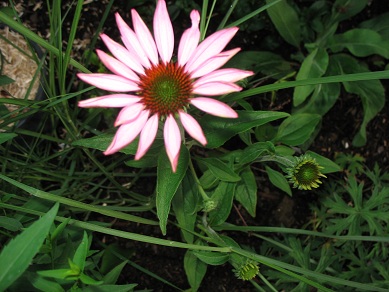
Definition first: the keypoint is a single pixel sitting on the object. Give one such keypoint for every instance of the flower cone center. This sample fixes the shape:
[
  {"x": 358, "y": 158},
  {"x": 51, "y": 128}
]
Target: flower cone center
[
  {"x": 307, "y": 173},
  {"x": 165, "y": 89}
]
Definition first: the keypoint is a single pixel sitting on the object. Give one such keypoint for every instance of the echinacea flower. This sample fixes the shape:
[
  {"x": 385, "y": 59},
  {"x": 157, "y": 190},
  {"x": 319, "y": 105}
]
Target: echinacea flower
[
  {"x": 304, "y": 173},
  {"x": 151, "y": 87}
]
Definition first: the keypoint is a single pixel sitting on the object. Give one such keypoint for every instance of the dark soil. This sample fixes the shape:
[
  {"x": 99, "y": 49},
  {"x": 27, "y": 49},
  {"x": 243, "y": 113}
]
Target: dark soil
[{"x": 339, "y": 126}]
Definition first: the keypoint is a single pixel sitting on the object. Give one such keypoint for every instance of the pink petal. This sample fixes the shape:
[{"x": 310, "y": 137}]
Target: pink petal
[
  {"x": 192, "y": 127},
  {"x": 147, "y": 136},
  {"x": 122, "y": 54},
  {"x": 223, "y": 75},
  {"x": 144, "y": 37},
  {"x": 163, "y": 32},
  {"x": 189, "y": 40},
  {"x": 129, "y": 114},
  {"x": 127, "y": 133},
  {"x": 172, "y": 138},
  {"x": 109, "y": 82},
  {"x": 214, "y": 107},
  {"x": 113, "y": 100},
  {"x": 210, "y": 47},
  {"x": 131, "y": 41},
  {"x": 214, "y": 63},
  {"x": 117, "y": 67},
  {"x": 216, "y": 88}
]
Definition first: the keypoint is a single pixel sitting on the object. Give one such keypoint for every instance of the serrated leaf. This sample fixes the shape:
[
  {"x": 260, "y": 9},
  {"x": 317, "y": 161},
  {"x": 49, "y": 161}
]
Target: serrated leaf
[
  {"x": 313, "y": 66},
  {"x": 168, "y": 183},
  {"x": 278, "y": 180},
  {"x": 286, "y": 21},
  {"x": 19, "y": 252},
  {"x": 220, "y": 170},
  {"x": 246, "y": 191},
  {"x": 195, "y": 270},
  {"x": 297, "y": 129},
  {"x": 212, "y": 258},
  {"x": 219, "y": 130}
]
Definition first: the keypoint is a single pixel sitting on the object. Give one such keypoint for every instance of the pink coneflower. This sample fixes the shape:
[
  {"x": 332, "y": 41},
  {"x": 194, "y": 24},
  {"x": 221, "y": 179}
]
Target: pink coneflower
[{"x": 163, "y": 90}]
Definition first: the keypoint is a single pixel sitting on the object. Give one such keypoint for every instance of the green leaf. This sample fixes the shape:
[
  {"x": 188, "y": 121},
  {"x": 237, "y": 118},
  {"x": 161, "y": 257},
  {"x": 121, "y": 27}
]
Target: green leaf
[
  {"x": 168, "y": 183},
  {"x": 42, "y": 284},
  {"x": 4, "y": 137},
  {"x": 60, "y": 274},
  {"x": 195, "y": 270},
  {"x": 110, "y": 260},
  {"x": 253, "y": 151},
  {"x": 17, "y": 255},
  {"x": 113, "y": 275},
  {"x": 212, "y": 258},
  {"x": 286, "y": 21},
  {"x": 223, "y": 196},
  {"x": 324, "y": 95},
  {"x": 278, "y": 180},
  {"x": 345, "y": 9},
  {"x": 297, "y": 129},
  {"x": 219, "y": 130},
  {"x": 267, "y": 63},
  {"x": 184, "y": 204},
  {"x": 327, "y": 164},
  {"x": 246, "y": 191},
  {"x": 80, "y": 255},
  {"x": 220, "y": 169},
  {"x": 101, "y": 142},
  {"x": 208, "y": 180},
  {"x": 371, "y": 92},
  {"x": 379, "y": 24},
  {"x": 313, "y": 66},
  {"x": 4, "y": 80},
  {"x": 88, "y": 280},
  {"x": 10, "y": 224},
  {"x": 360, "y": 42}
]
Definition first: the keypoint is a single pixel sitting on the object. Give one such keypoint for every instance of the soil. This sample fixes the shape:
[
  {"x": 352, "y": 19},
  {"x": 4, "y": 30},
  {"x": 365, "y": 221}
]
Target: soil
[{"x": 339, "y": 126}]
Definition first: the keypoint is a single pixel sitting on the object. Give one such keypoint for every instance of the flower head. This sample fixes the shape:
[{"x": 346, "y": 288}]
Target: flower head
[
  {"x": 247, "y": 271},
  {"x": 305, "y": 173},
  {"x": 150, "y": 87}
]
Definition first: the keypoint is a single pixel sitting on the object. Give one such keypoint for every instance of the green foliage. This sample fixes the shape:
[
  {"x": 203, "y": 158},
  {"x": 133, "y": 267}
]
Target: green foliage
[
  {"x": 325, "y": 54},
  {"x": 17, "y": 255},
  {"x": 85, "y": 244}
]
